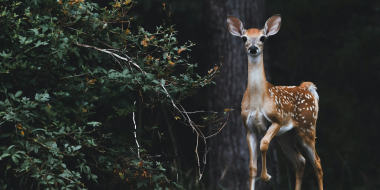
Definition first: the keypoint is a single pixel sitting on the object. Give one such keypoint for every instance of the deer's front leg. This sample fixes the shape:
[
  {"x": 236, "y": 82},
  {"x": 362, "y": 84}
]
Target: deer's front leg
[
  {"x": 272, "y": 131},
  {"x": 252, "y": 147}
]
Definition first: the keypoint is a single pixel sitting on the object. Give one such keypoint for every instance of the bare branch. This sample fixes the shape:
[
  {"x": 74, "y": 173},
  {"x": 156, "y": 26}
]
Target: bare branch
[
  {"x": 128, "y": 59},
  {"x": 138, "y": 146}
]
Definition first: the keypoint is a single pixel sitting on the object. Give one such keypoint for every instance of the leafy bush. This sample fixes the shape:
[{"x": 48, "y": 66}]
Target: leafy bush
[{"x": 71, "y": 74}]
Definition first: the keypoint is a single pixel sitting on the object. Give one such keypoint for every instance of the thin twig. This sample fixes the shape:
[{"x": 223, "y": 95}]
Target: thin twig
[
  {"x": 24, "y": 172},
  {"x": 201, "y": 112},
  {"x": 138, "y": 146},
  {"x": 128, "y": 59},
  {"x": 220, "y": 128},
  {"x": 73, "y": 76}
]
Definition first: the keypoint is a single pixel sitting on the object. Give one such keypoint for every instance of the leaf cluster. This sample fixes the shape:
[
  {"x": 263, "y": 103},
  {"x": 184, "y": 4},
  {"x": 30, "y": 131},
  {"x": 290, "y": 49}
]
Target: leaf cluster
[{"x": 71, "y": 73}]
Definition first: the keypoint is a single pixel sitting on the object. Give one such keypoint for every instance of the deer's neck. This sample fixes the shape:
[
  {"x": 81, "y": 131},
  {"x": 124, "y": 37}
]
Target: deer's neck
[{"x": 257, "y": 85}]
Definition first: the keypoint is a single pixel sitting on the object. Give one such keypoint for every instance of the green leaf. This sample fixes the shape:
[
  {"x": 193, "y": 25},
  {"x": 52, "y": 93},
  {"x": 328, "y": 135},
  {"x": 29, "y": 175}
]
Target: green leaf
[
  {"x": 27, "y": 145},
  {"x": 4, "y": 54},
  {"x": 122, "y": 88},
  {"x": 36, "y": 160},
  {"x": 10, "y": 147},
  {"x": 93, "y": 177},
  {"x": 35, "y": 175},
  {"x": 126, "y": 71},
  {"x": 77, "y": 53},
  {"x": 42, "y": 97},
  {"x": 35, "y": 31},
  {"x": 5, "y": 135},
  {"x": 17, "y": 154},
  {"x": 130, "y": 87},
  {"x": 40, "y": 43},
  {"x": 115, "y": 45},
  {"x": 60, "y": 55},
  {"x": 62, "y": 130},
  {"x": 50, "y": 159},
  {"x": 49, "y": 177},
  {"x": 15, "y": 160},
  {"x": 94, "y": 123},
  {"x": 80, "y": 61},
  {"x": 18, "y": 93},
  {"x": 5, "y": 155},
  {"x": 141, "y": 62},
  {"x": 22, "y": 39},
  {"x": 141, "y": 183},
  {"x": 44, "y": 27},
  {"x": 179, "y": 187},
  {"x": 11, "y": 95}
]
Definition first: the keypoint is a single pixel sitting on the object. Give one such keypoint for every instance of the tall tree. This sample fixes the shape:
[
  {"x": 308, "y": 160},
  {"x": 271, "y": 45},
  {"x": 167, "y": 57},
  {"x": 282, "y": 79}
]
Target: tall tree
[{"x": 229, "y": 161}]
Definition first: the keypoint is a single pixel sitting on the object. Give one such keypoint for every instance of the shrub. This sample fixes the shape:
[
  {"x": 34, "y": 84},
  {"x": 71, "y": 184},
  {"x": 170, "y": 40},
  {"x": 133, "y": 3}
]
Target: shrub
[{"x": 72, "y": 77}]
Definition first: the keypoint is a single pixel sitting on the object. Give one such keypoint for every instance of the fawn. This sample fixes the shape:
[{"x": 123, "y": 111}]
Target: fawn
[{"x": 276, "y": 110}]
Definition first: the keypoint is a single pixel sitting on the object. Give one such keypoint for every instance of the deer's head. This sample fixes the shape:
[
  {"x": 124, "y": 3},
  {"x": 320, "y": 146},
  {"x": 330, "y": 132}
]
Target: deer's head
[{"x": 254, "y": 38}]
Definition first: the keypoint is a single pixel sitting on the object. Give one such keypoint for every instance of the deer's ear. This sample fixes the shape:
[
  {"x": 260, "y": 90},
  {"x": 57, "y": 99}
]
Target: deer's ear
[
  {"x": 235, "y": 26},
  {"x": 272, "y": 26}
]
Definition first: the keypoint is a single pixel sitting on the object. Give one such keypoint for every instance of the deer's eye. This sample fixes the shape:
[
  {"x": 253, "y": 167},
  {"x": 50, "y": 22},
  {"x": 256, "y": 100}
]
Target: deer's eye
[
  {"x": 244, "y": 39},
  {"x": 262, "y": 38}
]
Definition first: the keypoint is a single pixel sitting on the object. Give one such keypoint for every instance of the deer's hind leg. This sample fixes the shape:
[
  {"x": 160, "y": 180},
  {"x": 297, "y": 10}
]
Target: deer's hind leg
[
  {"x": 287, "y": 143},
  {"x": 307, "y": 140}
]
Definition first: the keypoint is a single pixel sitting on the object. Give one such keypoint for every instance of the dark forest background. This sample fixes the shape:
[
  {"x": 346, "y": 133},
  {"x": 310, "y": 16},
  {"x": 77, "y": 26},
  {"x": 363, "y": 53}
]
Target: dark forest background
[{"x": 333, "y": 43}]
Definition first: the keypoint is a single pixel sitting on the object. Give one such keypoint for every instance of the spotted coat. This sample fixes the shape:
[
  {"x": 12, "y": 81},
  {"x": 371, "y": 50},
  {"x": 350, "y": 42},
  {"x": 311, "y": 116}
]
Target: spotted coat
[{"x": 297, "y": 104}]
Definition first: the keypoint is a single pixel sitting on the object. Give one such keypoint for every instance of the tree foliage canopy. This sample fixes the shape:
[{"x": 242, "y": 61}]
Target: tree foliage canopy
[{"x": 71, "y": 74}]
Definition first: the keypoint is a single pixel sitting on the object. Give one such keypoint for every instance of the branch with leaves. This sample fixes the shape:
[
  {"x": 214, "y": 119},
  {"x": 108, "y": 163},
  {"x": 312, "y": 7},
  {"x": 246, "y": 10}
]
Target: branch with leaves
[{"x": 67, "y": 111}]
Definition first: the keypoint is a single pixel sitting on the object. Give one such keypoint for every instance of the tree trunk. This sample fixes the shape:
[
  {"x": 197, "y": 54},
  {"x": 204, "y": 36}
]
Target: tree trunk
[{"x": 229, "y": 161}]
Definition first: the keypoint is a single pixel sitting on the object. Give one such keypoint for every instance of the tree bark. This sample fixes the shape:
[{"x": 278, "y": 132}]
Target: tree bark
[{"x": 228, "y": 163}]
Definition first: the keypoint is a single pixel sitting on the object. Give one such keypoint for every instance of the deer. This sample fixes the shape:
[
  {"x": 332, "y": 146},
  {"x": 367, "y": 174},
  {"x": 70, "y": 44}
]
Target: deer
[{"x": 288, "y": 112}]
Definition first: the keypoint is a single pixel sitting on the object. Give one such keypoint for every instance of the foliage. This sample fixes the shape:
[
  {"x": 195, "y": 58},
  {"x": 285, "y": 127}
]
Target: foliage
[{"x": 71, "y": 74}]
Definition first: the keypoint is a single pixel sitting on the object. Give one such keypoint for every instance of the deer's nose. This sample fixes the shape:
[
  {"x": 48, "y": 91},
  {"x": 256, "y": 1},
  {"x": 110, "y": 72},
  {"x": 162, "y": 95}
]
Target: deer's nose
[{"x": 253, "y": 49}]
